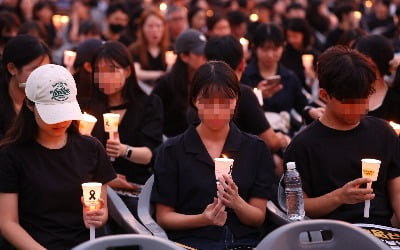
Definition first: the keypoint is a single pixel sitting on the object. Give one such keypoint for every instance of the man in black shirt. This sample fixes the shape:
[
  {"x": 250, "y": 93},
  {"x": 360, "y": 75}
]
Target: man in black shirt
[{"x": 328, "y": 152}]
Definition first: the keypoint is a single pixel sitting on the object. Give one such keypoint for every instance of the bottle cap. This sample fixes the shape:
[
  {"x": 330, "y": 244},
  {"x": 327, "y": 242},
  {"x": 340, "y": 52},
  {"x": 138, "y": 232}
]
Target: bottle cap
[{"x": 291, "y": 165}]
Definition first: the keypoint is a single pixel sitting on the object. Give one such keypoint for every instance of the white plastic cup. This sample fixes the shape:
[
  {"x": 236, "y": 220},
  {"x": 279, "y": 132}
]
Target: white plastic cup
[
  {"x": 111, "y": 121},
  {"x": 370, "y": 168},
  {"x": 307, "y": 60}
]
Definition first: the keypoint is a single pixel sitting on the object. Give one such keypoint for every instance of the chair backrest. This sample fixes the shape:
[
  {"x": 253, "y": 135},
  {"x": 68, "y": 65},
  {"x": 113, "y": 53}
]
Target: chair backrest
[
  {"x": 146, "y": 210},
  {"x": 120, "y": 213},
  {"x": 338, "y": 235},
  {"x": 145, "y": 242}
]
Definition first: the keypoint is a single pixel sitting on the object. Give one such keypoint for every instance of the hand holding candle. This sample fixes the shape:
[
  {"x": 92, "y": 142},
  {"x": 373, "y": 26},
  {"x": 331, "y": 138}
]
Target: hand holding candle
[
  {"x": 111, "y": 121},
  {"x": 91, "y": 196},
  {"x": 370, "y": 169},
  {"x": 170, "y": 58},
  {"x": 87, "y": 123}
]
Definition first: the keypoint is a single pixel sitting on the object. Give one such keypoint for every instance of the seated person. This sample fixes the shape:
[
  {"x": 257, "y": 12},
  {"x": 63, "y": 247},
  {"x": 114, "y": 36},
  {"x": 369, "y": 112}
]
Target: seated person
[
  {"x": 328, "y": 152},
  {"x": 190, "y": 206}
]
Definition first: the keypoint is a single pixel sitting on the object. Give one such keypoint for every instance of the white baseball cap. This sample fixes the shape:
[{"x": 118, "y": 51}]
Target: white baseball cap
[{"x": 53, "y": 90}]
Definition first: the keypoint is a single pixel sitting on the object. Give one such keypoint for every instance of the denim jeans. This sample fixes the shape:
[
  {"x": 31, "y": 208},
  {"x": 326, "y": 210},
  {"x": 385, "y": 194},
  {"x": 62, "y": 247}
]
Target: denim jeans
[{"x": 226, "y": 242}]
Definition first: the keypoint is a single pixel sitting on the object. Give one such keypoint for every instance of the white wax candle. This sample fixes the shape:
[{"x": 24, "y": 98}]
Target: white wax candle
[
  {"x": 370, "y": 169},
  {"x": 307, "y": 60},
  {"x": 86, "y": 124},
  {"x": 259, "y": 95},
  {"x": 91, "y": 196}
]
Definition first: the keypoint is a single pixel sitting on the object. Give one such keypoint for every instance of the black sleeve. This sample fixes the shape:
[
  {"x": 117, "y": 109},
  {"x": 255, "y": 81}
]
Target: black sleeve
[
  {"x": 8, "y": 173},
  {"x": 300, "y": 98},
  {"x": 152, "y": 125},
  {"x": 165, "y": 188},
  {"x": 263, "y": 185},
  {"x": 250, "y": 116},
  {"x": 104, "y": 170}
]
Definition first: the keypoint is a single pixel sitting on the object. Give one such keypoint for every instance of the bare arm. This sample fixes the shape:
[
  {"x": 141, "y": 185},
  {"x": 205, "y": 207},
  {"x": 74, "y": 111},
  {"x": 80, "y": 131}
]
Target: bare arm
[
  {"x": 250, "y": 213},
  {"x": 214, "y": 214},
  {"x": 350, "y": 193},
  {"x": 275, "y": 141},
  {"x": 140, "y": 155},
  {"x": 144, "y": 75},
  {"x": 9, "y": 224},
  {"x": 394, "y": 195}
]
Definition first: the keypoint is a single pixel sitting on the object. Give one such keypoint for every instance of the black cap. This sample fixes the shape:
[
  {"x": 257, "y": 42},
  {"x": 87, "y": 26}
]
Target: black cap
[{"x": 190, "y": 40}]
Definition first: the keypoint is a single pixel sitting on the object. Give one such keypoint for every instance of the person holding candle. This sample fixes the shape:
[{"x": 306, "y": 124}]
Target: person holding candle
[
  {"x": 21, "y": 56},
  {"x": 190, "y": 206},
  {"x": 140, "y": 125},
  {"x": 150, "y": 47},
  {"x": 329, "y": 151},
  {"x": 44, "y": 161}
]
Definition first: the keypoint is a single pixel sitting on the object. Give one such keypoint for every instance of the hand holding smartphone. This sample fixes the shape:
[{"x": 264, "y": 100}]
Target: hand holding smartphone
[{"x": 273, "y": 80}]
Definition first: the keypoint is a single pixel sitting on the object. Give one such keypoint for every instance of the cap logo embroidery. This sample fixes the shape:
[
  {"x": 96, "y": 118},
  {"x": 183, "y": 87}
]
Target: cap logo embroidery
[{"x": 60, "y": 92}]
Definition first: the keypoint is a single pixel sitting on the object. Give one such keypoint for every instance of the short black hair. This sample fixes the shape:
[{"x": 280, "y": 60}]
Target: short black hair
[
  {"x": 117, "y": 6},
  {"x": 342, "y": 9},
  {"x": 214, "y": 77},
  {"x": 236, "y": 18},
  {"x": 268, "y": 33},
  {"x": 300, "y": 25},
  {"x": 224, "y": 48},
  {"x": 345, "y": 73},
  {"x": 379, "y": 49}
]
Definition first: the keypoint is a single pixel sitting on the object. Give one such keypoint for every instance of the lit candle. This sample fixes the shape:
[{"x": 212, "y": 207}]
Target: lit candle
[
  {"x": 163, "y": 7},
  {"x": 259, "y": 95},
  {"x": 170, "y": 58},
  {"x": 253, "y": 17},
  {"x": 307, "y": 60},
  {"x": 223, "y": 166},
  {"x": 357, "y": 15},
  {"x": 69, "y": 58},
  {"x": 370, "y": 169},
  {"x": 59, "y": 21},
  {"x": 86, "y": 124},
  {"x": 111, "y": 121},
  {"x": 396, "y": 127},
  {"x": 91, "y": 196},
  {"x": 245, "y": 43}
]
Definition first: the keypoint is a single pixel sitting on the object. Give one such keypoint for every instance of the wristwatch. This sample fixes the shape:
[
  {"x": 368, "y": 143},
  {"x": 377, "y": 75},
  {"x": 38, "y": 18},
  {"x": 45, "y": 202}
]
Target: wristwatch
[{"x": 128, "y": 152}]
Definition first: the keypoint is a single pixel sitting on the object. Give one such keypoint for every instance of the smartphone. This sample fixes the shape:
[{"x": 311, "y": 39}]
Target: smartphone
[{"x": 273, "y": 80}]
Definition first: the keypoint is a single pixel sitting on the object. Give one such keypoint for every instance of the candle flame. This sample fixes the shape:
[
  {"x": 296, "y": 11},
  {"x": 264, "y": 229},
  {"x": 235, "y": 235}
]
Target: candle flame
[
  {"x": 357, "y": 15},
  {"x": 368, "y": 4},
  {"x": 224, "y": 156},
  {"x": 253, "y": 17},
  {"x": 163, "y": 6},
  {"x": 395, "y": 126},
  {"x": 210, "y": 13},
  {"x": 243, "y": 41}
]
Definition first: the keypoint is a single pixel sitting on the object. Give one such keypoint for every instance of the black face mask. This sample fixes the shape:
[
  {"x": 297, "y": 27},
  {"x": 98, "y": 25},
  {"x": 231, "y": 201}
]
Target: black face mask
[{"x": 116, "y": 28}]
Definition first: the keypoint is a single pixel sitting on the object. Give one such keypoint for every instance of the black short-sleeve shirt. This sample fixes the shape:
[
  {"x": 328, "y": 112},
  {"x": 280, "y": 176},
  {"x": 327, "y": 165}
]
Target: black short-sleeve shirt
[
  {"x": 48, "y": 183},
  {"x": 185, "y": 177},
  {"x": 327, "y": 159},
  {"x": 141, "y": 126}
]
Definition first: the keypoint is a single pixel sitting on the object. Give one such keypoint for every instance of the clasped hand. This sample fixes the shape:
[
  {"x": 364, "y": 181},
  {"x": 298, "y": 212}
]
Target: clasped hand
[
  {"x": 228, "y": 192},
  {"x": 114, "y": 147}
]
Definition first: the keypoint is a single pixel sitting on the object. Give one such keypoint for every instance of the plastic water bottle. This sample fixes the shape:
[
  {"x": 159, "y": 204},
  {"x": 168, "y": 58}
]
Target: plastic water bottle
[{"x": 294, "y": 193}]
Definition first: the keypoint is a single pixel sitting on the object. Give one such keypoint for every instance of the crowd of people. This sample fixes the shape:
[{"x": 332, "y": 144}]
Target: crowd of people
[{"x": 263, "y": 82}]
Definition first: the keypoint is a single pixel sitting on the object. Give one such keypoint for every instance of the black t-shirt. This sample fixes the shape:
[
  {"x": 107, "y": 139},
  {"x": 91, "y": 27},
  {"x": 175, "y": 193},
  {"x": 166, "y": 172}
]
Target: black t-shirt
[
  {"x": 155, "y": 63},
  {"x": 175, "y": 103},
  {"x": 390, "y": 107},
  {"x": 48, "y": 183},
  {"x": 7, "y": 112},
  {"x": 185, "y": 178},
  {"x": 250, "y": 117},
  {"x": 327, "y": 159},
  {"x": 141, "y": 126}
]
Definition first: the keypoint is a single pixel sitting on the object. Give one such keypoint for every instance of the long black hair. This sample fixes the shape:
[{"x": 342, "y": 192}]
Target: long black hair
[
  {"x": 25, "y": 128},
  {"x": 20, "y": 51}
]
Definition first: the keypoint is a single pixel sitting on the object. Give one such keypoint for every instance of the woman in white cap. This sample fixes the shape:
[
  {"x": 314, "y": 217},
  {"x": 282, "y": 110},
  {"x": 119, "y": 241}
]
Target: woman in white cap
[{"x": 44, "y": 161}]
